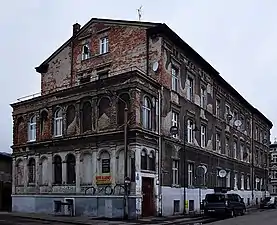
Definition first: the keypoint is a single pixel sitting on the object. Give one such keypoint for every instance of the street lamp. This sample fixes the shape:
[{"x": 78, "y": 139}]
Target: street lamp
[{"x": 126, "y": 178}]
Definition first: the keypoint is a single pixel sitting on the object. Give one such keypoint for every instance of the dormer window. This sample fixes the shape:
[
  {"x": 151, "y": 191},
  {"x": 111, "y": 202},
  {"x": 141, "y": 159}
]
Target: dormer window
[
  {"x": 104, "y": 45},
  {"x": 85, "y": 52}
]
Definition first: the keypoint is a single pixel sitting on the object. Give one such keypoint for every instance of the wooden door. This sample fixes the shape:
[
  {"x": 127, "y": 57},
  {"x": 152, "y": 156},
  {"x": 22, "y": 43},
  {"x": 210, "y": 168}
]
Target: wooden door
[{"x": 148, "y": 197}]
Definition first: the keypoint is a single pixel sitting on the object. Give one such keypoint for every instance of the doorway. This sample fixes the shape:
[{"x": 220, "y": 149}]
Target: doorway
[{"x": 148, "y": 208}]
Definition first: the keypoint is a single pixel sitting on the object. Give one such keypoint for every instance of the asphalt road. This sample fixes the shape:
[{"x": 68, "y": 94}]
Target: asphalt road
[
  {"x": 265, "y": 217},
  {"x": 9, "y": 220}
]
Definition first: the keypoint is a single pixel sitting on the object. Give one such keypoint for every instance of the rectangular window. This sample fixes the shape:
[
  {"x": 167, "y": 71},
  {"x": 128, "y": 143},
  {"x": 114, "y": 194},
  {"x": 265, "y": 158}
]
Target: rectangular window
[
  {"x": 203, "y": 136},
  {"x": 203, "y": 97},
  {"x": 218, "y": 142},
  {"x": 248, "y": 182},
  {"x": 242, "y": 127},
  {"x": 256, "y": 133},
  {"x": 227, "y": 110},
  {"x": 235, "y": 149},
  {"x": 236, "y": 181},
  {"x": 217, "y": 108},
  {"x": 242, "y": 181},
  {"x": 227, "y": 147},
  {"x": 175, "y": 79},
  {"x": 274, "y": 158},
  {"x": 190, "y": 174},
  {"x": 190, "y": 131},
  {"x": 190, "y": 89},
  {"x": 175, "y": 122},
  {"x": 106, "y": 166},
  {"x": 104, "y": 45},
  {"x": 175, "y": 172},
  {"x": 85, "y": 52},
  {"x": 274, "y": 189}
]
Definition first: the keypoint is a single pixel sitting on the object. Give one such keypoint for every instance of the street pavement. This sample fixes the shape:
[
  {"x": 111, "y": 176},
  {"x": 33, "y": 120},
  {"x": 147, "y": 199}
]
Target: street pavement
[{"x": 265, "y": 217}]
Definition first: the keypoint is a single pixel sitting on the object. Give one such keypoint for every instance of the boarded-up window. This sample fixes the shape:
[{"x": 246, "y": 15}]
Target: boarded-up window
[
  {"x": 70, "y": 115},
  {"x": 104, "y": 105}
]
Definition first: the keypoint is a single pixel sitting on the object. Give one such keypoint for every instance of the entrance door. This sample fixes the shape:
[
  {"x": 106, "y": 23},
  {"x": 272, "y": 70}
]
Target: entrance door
[{"x": 147, "y": 199}]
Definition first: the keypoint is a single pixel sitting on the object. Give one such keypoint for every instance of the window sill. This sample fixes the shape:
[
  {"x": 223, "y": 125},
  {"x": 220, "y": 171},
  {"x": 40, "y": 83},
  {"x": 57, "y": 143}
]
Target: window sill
[
  {"x": 57, "y": 136},
  {"x": 31, "y": 141},
  {"x": 31, "y": 185},
  {"x": 95, "y": 56}
]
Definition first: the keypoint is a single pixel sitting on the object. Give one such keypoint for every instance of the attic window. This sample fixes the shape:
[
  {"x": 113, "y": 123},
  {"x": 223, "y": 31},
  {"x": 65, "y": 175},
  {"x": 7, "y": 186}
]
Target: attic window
[{"x": 85, "y": 52}]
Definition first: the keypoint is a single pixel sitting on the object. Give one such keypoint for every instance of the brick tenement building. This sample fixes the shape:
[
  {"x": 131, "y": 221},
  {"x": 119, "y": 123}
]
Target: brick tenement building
[{"x": 70, "y": 138}]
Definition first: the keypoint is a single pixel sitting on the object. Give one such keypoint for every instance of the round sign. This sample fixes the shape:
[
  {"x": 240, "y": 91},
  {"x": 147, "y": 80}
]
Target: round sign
[
  {"x": 127, "y": 180},
  {"x": 174, "y": 130},
  {"x": 222, "y": 173}
]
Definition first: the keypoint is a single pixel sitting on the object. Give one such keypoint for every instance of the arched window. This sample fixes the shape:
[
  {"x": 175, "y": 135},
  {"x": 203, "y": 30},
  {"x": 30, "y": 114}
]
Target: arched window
[
  {"x": 19, "y": 172},
  {"x": 43, "y": 121},
  {"x": 123, "y": 98},
  {"x": 32, "y": 129},
  {"x": 152, "y": 161},
  {"x": 32, "y": 170},
  {"x": 86, "y": 117},
  {"x": 58, "y": 123},
  {"x": 143, "y": 159},
  {"x": 70, "y": 169},
  {"x": 104, "y": 105},
  {"x": 70, "y": 115},
  {"x": 44, "y": 171},
  {"x": 147, "y": 117},
  {"x": 57, "y": 169},
  {"x": 105, "y": 162}
]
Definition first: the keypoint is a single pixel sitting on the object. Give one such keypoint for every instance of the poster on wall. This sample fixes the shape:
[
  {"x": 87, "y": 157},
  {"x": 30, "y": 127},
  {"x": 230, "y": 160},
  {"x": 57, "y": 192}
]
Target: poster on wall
[{"x": 104, "y": 179}]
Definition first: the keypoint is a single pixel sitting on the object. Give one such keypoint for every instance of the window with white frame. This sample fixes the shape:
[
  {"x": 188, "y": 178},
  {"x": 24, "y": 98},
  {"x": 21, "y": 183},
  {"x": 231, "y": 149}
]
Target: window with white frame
[
  {"x": 147, "y": 120},
  {"x": 227, "y": 147},
  {"x": 217, "y": 107},
  {"x": 85, "y": 52},
  {"x": 228, "y": 179},
  {"x": 190, "y": 174},
  {"x": 58, "y": 123},
  {"x": 241, "y": 151},
  {"x": 175, "y": 79},
  {"x": 190, "y": 89},
  {"x": 175, "y": 172},
  {"x": 104, "y": 45},
  {"x": 203, "y": 97},
  {"x": 190, "y": 131},
  {"x": 227, "y": 109},
  {"x": 256, "y": 133},
  {"x": 32, "y": 129},
  {"x": 242, "y": 181},
  {"x": 274, "y": 158},
  {"x": 248, "y": 182},
  {"x": 175, "y": 122},
  {"x": 236, "y": 181},
  {"x": 218, "y": 142},
  {"x": 235, "y": 150},
  {"x": 203, "y": 136},
  {"x": 274, "y": 189}
]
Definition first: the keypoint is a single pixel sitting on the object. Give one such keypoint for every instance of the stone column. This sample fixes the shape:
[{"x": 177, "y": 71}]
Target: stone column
[
  {"x": 78, "y": 188},
  {"x": 25, "y": 175},
  {"x": 94, "y": 166},
  {"x": 114, "y": 172},
  {"x": 37, "y": 173},
  {"x": 64, "y": 178},
  {"x": 50, "y": 171},
  {"x": 13, "y": 175},
  {"x": 78, "y": 120}
]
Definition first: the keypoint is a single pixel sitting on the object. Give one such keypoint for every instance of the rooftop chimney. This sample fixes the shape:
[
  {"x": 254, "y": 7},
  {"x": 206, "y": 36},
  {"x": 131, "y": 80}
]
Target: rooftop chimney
[{"x": 76, "y": 28}]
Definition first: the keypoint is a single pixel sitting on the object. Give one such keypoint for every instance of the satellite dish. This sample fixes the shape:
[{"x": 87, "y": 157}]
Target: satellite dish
[
  {"x": 155, "y": 66},
  {"x": 238, "y": 123},
  {"x": 222, "y": 173}
]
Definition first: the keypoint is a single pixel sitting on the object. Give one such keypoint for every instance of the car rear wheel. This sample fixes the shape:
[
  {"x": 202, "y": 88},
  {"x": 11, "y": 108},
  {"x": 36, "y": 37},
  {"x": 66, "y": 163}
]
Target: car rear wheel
[{"x": 243, "y": 211}]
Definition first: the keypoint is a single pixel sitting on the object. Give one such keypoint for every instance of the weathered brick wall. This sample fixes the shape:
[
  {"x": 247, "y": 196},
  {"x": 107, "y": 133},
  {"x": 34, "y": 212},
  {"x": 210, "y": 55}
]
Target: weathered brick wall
[
  {"x": 127, "y": 48},
  {"x": 58, "y": 75}
]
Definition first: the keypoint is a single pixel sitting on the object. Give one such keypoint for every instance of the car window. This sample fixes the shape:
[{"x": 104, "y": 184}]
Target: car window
[{"x": 215, "y": 198}]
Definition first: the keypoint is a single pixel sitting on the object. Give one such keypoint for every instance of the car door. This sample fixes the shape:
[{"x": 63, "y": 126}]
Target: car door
[{"x": 240, "y": 203}]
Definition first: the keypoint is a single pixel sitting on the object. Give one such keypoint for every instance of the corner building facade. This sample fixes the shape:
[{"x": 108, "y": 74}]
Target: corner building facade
[{"x": 69, "y": 140}]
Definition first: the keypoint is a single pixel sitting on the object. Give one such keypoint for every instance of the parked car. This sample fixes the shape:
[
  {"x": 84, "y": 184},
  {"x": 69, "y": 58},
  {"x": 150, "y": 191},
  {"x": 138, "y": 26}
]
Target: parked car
[
  {"x": 222, "y": 204},
  {"x": 269, "y": 202}
]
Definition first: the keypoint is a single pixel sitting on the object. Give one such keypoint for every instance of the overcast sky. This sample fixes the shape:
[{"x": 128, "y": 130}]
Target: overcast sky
[{"x": 238, "y": 38}]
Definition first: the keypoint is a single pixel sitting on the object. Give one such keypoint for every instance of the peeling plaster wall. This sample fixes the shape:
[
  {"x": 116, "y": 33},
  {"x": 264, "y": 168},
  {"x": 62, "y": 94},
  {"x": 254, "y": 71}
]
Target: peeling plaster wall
[{"x": 59, "y": 72}]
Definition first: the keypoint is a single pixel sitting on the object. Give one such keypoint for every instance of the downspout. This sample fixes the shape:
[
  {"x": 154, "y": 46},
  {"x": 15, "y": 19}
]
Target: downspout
[
  {"x": 160, "y": 153},
  {"x": 147, "y": 52}
]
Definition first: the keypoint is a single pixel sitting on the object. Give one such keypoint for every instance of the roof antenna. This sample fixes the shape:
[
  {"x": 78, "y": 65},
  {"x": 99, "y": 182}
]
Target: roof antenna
[{"x": 139, "y": 12}]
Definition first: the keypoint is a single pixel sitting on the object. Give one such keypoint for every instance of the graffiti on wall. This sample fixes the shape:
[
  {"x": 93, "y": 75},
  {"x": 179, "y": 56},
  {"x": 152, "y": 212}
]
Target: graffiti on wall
[{"x": 118, "y": 189}]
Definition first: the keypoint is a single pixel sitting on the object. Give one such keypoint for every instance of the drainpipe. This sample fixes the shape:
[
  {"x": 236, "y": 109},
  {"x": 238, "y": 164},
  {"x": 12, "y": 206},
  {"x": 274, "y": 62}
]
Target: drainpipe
[{"x": 160, "y": 155}]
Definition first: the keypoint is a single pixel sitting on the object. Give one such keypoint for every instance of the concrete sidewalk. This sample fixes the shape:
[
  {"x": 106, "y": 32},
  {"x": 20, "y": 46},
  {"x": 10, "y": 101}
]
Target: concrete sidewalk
[{"x": 82, "y": 220}]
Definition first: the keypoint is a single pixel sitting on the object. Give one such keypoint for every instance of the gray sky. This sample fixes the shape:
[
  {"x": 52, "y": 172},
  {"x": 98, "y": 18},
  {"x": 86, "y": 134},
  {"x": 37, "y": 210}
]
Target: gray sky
[{"x": 238, "y": 38}]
